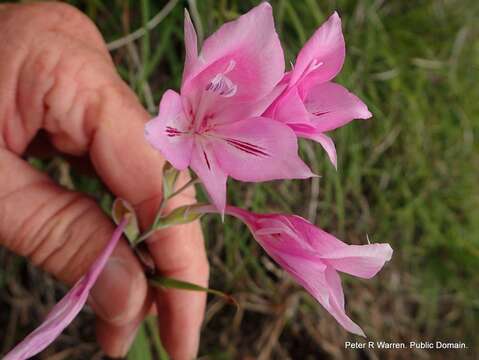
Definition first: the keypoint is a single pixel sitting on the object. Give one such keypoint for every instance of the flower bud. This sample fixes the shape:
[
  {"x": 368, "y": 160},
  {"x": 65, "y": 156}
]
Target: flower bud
[{"x": 123, "y": 210}]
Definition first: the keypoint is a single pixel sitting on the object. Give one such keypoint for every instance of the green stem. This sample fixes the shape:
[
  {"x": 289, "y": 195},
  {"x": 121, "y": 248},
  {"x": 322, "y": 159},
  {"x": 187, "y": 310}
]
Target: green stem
[
  {"x": 192, "y": 181},
  {"x": 162, "y": 208}
]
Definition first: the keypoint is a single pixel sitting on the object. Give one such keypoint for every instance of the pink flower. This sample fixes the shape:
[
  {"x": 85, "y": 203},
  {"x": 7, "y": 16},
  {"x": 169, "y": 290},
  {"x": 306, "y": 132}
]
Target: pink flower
[
  {"x": 67, "y": 309},
  {"x": 310, "y": 103},
  {"x": 215, "y": 124},
  {"x": 313, "y": 257}
]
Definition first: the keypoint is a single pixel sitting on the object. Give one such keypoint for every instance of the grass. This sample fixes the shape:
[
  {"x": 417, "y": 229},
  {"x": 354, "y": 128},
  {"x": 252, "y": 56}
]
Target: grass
[{"x": 408, "y": 177}]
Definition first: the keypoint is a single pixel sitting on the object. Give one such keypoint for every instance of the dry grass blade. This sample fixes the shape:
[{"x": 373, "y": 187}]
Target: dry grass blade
[{"x": 135, "y": 35}]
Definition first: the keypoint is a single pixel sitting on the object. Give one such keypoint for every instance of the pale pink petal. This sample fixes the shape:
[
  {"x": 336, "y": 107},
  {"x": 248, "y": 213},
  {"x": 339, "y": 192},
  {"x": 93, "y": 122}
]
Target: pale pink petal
[
  {"x": 359, "y": 260},
  {"x": 259, "y": 107},
  {"x": 63, "y": 313},
  {"x": 191, "y": 46},
  {"x": 290, "y": 108},
  {"x": 307, "y": 270},
  {"x": 312, "y": 257},
  {"x": 247, "y": 52},
  {"x": 230, "y": 113},
  {"x": 325, "y": 141},
  {"x": 322, "y": 56},
  {"x": 321, "y": 281},
  {"x": 169, "y": 132},
  {"x": 318, "y": 239},
  {"x": 335, "y": 304},
  {"x": 259, "y": 149},
  {"x": 206, "y": 166},
  {"x": 280, "y": 88},
  {"x": 363, "y": 261},
  {"x": 332, "y": 106},
  {"x": 334, "y": 286}
]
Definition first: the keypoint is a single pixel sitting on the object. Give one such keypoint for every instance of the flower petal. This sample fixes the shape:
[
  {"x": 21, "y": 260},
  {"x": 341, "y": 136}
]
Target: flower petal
[
  {"x": 63, "y": 313},
  {"x": 333, "y": 106},
  {"x": 359, "y": 260},
  {"x": 247, "y": 51},
  {"x": 259, "y": 149},
  {"x": 206, "y": 166},
  {"x": 290, "y": 108},
  {"x": 280, "y": 91},
  {"x": 335, "y": 304},
  {"x": 325, "y": 141},
  {"x": 191, "y": 46},
  {"x": 233, "y": 113},
  {"x": 363, "y": 261},
  {"x": 322, "y": 56},
  {"x": 321, "y": 281},
  {"x": 316, "y": 238},
  {"x": 169, "y": 131}
]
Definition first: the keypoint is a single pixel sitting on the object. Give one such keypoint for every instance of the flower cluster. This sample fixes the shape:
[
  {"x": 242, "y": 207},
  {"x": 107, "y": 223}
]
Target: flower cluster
[{"x": 240, "y": 114}]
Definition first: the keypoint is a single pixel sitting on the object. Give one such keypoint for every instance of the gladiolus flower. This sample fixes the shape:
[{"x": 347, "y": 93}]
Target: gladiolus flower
[
  {"x": 310, "y": 103},
  {"x": 313, "y": 257},
  {"x": 215, "y": 124},
  {"x": 65, "y": 311}
]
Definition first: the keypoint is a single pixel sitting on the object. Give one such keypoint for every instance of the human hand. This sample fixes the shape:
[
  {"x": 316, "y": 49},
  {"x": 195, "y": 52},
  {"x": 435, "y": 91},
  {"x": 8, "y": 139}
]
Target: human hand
[{"x": 56, "y": 75}]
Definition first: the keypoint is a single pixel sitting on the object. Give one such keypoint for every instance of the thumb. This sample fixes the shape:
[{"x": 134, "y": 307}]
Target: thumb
[{"x": 64, "y": 232}]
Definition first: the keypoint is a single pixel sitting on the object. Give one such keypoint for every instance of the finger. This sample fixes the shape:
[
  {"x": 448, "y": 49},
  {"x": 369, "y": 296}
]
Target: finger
[
  {"x": 118, "y": 339},
  {"x": 183, "y": 311},
  {"x": 64, "y": 232},
  {"x": 178, "y": 252}
]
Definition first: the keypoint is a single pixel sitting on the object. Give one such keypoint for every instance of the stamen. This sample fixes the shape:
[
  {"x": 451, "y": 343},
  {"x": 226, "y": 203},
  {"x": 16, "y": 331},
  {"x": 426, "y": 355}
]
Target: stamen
[
  {"x": 221, "y": 84},
  {"x": 314, "y": 65},
  {"x": 230, "y": 67}
]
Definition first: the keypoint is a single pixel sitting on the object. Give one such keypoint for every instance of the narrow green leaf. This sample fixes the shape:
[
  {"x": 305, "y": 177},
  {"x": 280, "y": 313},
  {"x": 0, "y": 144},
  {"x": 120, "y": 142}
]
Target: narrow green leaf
[
  {"x": 147, "y": 344},
  {"x": 170, "y": 283},
  {"x": 151, "y": 324},
  {"x": 140, "y": 349}
]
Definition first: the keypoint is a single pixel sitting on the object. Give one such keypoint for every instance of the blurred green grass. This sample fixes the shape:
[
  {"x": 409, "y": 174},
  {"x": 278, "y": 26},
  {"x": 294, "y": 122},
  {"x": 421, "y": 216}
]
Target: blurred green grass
[{"x": 409, "y": 176}]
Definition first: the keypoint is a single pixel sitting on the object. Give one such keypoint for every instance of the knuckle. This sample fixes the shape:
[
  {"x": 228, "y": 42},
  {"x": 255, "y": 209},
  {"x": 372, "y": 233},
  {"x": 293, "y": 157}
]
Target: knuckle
[
  {"x": 56, "y": 55},
  {"x": 115, "y": 98},
  {"x": 52, "y": 228},
  {"x": 60, "y": 239},
  {"x": 70, "y": 105},
  {"x": 82, "y": 256}
]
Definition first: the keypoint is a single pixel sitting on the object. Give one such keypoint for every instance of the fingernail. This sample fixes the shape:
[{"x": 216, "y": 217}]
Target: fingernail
[{"x": 113, "y": 295}]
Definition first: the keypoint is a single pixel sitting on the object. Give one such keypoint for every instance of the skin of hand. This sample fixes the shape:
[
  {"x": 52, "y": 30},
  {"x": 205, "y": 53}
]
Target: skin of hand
[{"x": 57, "y": 77}]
